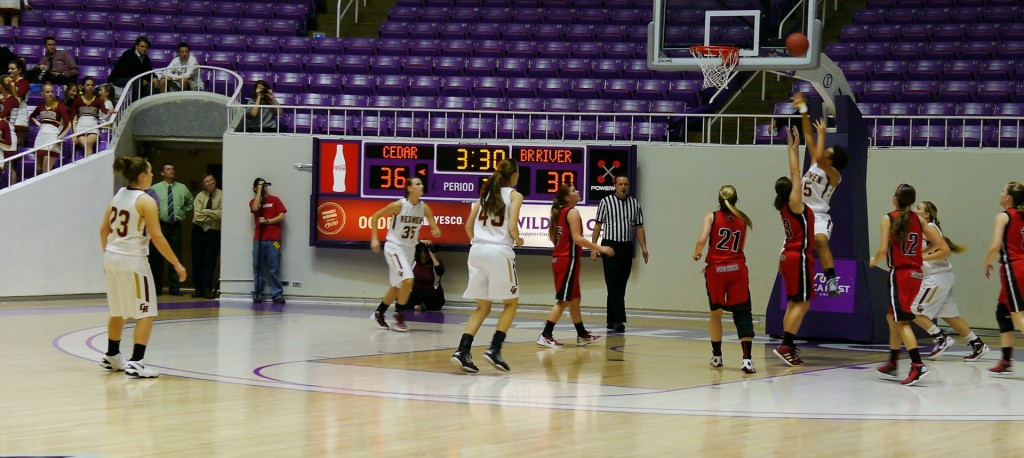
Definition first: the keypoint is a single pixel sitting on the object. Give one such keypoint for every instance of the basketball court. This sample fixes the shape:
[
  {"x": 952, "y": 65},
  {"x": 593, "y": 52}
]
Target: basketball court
[{"x": 318, "y": 378}]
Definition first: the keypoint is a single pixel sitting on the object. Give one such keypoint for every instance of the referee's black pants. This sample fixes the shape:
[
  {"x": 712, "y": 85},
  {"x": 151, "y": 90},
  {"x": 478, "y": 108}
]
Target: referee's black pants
[{"x": 616, "y": 274}]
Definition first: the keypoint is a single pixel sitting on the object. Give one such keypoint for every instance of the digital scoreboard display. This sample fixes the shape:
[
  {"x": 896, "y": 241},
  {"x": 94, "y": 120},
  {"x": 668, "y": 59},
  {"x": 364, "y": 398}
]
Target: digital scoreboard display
[{"x": 353, "y": 179}]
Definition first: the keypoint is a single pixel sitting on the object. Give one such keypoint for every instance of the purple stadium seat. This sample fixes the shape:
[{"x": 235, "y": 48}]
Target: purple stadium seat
[
  {"x": 622, "y": 51},
  {"x": 349, "y": 100},
  {"x": 620, "y": 89},
  {"x": 356, "y": 45},
  {"x": 322, "y": 63},
  {"x": 326, "y": 83},
  {"x": 523, "y": 87},
  {"x": 580, "y": 129},
  {"x": 516, "y": 32},
  {"x": 404, "y": 14},
  {"x": 459, "y": 48},
  {"x": 613, "y": 130},
  {"x": 841, "y": 51},
  {"x": 286, "y": 98},
  {"x": 589, "y": 50},
  {"x": 297, "y": 44},
  {"x": 284, "y": 27},
  {"x": 928, "y": 135},
  {"x": 448, "y": 66},
  {"x": 888, "y": 70},
  {"x": 418, "y": 101},
  {"x": 1012, "y": 32},
  {"x": 554, "y": 87},
  {"x": 483, "y": 31},
  {"x": 496, "y": 15},
  {"x": 220, "y": 25},
  {"x": 883, "y": 91},
  {"x": 492, "y": 104},
  {"x": 386, "y": 101},
  {"x": 686, "y": 91},
  {"x": 763, "y": 135},
  {"x": 968, "y": 136},
  {"x": 237, "y": 43},
  {"x": 385, "y": 65},
  {"x": 342, "y": 124},
  {"x": 424, "y": 85},
  {"x": 549, "y": 32},
  {"x": 900, "y": 110},
  {"x": 524, "y": 49},
  {"x": 576, "y": 68},
  {"x": 940, "y": 110},
  {"x": 943, "y": 50},
  {"x": 418, "y": 65},
  {"x": 166, "y": 40},
  {"x": 93, "y": 56},
  {"x": 869, "y": 16},
  {"x": 668, "y": 106},
  {"x": 223, "y": 59},
  {"x": 93, "y": 20},
  {"x": 490, "y": 86},
  {"x": 915, "y": 33},
  {"x": 908, "y": 51},
  {"x": 546, "y": 128},
  {"x": 360, "y": 84},
  {"x": 612, "y": 33},
  {"x": 1008, "y": 135},
  {"x": 632, "y": 106},
  {"x": 98, "y": 38},
  {"x": 984, "y": 32},
  {"x": 250, "y": 27},
  {"x": 636, "y": 68},
  {"x": 392, "y": 47},
  {"x": 160, "y": 57},
  {"x": 560, "y": 15},
  {"x": 996, "y": 91},
  {"x": 292, "y": 63},
  {"x": 292, "y": 82},
  {"x": 874, "y": 51},
  {"x": 393, "y": 85},
  {"x": 453, "y": 30},
  {"x": 975, "y": 109},
  {"x": 480, "y": 127},
  {"x": 949, "y": 32},
  {"x": 916, "y": 91},
  {"x": 196, "y": 8},
  {"x": 98, "y": 72},
  {"x": 33, "y": 36},
  {"x": 997, "y": 70},
  {"x": 607, "y": 68},
  {"x": 888, "y": 135},
  {"x": 562, "y": 105},
  {"x": 318, "y": 100},
  {"x": 303, "y": 123},
  {"x": 879, "y": 33},
  {"x": 298, "y": 12},
  {"x": 592, "y": 16},
  {"x": 489, "y": 48},
  {"x": 1015, "y": 110},
  {"x": 859, "y": 70},
  {"x": 110, "y": 6},
  {"x": 650, "y": 131},
  {"x": 443, "y": 127},
  {"x": 923, "y": 16},
  {"x": 1011, "y": 50},
  {"x": 399, "y": 30},
  {"x": 54, "y": 19},
  {"x": 422, "y": 31},
  {"x": 190, "y": 24},
  {"x": 252, "y": 61},
  {"x": 512, "y": 66},
  {"x": 587, "y": 88},
  {"x": 787, "y": 109},
  {"x": 542, "y": 67},
  {"x": 597, "y": 106},
  {"x": 256, "y": 10},
  {"x": 957, "y": 91},
  {"x": 455, "y": 103},
  {"x": 517, "y": 127},
  {"x": 526, "y": 105},
  {"x": 425, "y": 47},
  {"x": 927, "y": 70},
  {"x": 1003, "y": 14},
  {"x": 866, "y": 109},
  {"x": 653, "y": 89},
  {"x": 978, "y": 50},
  {"x": 554, "y": 49},
  {"x": 411, "y": 126}
]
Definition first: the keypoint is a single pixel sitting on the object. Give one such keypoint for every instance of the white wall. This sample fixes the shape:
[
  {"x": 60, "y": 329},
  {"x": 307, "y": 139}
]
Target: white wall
[
  {"x": 677, "y": 185},
  {"x": 50, "y": 231}
]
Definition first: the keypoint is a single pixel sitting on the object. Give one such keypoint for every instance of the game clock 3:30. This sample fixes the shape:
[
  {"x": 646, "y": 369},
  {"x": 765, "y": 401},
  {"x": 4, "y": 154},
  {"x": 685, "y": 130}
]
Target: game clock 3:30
[{"x": 470, "y": 158}]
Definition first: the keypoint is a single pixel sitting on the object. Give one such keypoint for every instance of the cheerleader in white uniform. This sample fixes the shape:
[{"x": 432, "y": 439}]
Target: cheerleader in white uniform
[
  {"x": 87, "y": 110},
  {"x": 53, "y": 121}
]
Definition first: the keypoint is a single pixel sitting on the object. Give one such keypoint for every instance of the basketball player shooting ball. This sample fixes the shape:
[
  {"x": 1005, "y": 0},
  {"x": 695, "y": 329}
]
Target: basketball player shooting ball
[{"x": 818, "y": 184}]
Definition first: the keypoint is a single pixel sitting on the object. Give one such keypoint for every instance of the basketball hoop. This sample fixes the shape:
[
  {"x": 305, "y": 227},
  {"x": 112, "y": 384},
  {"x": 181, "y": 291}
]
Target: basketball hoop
[{"x": 718, "y": 64}]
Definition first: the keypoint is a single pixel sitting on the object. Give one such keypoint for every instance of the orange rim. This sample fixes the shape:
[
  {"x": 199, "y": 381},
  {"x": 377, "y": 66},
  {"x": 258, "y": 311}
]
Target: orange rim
[{"x": 729, "y": 54}]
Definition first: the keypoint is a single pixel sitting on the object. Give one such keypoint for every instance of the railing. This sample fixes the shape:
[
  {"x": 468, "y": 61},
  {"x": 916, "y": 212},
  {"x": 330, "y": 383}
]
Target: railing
[
  {"x": 341, "y": 14},
  {"x": 64, "y": 151},
  {"x": 665, "y": 128},
  {"x": 802, "y": 7}
]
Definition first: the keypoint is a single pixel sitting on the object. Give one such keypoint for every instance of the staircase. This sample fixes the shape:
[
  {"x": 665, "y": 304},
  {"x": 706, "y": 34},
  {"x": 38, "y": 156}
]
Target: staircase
[{"x": 370, "y": 17}]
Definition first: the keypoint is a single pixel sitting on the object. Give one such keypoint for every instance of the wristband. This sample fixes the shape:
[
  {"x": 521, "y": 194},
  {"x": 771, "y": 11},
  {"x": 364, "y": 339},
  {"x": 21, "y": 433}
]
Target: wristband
[{"x": 803, "y": 108}]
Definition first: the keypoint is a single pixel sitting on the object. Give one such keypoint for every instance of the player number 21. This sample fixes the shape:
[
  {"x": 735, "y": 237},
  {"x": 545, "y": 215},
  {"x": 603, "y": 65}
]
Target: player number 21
[{"x": 730, "y": 240}]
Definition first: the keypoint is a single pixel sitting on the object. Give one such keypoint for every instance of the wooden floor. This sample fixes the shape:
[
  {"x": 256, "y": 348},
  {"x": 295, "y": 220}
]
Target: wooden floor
[{"x": 319, "y": 379}]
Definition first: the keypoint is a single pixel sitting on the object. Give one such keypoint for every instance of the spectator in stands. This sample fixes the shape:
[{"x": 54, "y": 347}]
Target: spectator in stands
[
  {"x": 12, "y": 9},
  {"x": 9, "y": 103},
  {"x": 206, "y": 209},
  {"x": 51, "y": 117},
  {"x": 57, "y": 67},
  {"x": 87, "y": 111},
  {"x": 19, "y": 88},
  {"x": 132, "y": 63},
  {"x": 71, "y": 92},
  {"x": 6, "y": 56},
  {"x": 182, "y": 74},
  {"x": 427, "y": 269},
  {"x": 7, "y": 140},
  {"x": 258, "y": 118},
  {"x": 106, "y": 92}
]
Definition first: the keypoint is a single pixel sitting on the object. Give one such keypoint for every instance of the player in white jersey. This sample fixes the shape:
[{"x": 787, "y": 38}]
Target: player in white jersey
[
  {"x": 493, "y": 228},
  {"x": 935, "y": 299},
  {"x": 407, "y": 217},
  {"x": 818, "y": 184},
  {"x": 129, "y": 223}
]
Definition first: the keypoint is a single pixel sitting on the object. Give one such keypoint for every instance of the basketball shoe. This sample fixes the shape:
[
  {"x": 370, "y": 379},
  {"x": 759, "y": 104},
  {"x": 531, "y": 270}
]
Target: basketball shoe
[
  {"x": 790, "y": 355},
  {"x": 494, "y": 357},
  {"x": 399, "y": 323},
  {"x": 1003, "y": 369},
  {"x": 113, "y": 363},
  {"x": 917, "y": 372},
  {"x": 465, "y": 362},
  {"x": 548, "y": 341},
  {"x": 748, "y": 367},
  {"x": 832, "y": 284},
  {"x": 978, "y": 349},
  {"x": 942, "y": 343},
  {"x": 139, "y": 369},
  {"x": 379, "y": 318},
  {"x": 888, "y": 370},
  {"x": 583, "y": 341},
  {"x": 716, "y": 361}
]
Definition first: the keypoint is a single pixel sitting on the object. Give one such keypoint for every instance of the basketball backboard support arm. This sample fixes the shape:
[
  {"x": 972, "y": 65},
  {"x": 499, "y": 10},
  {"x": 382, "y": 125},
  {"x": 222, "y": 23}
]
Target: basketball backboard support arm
[{"x": 827, "y": 79}]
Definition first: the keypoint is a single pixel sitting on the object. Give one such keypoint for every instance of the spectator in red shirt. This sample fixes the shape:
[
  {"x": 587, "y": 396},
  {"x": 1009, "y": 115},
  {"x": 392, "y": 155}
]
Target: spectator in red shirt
[{"x": 268, "y": 213}]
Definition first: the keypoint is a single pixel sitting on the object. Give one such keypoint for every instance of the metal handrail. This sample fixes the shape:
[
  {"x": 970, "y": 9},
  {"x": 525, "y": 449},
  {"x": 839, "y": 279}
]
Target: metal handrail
[{"x": 341, "y": 13}]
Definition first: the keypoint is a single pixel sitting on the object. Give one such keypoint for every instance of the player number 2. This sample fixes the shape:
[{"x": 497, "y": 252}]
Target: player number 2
[
  {"x": 909, "y": 246},
  {"x": 730, "y": 240}
]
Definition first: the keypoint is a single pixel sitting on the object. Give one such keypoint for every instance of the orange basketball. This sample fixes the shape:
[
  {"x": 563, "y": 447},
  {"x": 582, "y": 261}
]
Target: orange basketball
[{"x": 797, "y": 44}]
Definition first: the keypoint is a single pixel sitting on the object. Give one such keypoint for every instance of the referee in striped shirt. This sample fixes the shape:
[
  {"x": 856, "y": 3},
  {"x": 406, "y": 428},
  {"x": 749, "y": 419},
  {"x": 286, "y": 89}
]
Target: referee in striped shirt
[{"x": 622, "y": 219}]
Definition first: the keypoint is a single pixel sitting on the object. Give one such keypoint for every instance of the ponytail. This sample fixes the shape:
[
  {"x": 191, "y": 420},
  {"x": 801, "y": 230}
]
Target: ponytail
[
  {"x": 556, "y": 209},
  {"x": 727, "y": 198},
  {"x": 1016, "y": 192},
  {"x": 783, "y": 188},
  {"x": 905, "y": 197},
  {"x": 491, "y": 202},
  {"x": 933, "y": 216}
]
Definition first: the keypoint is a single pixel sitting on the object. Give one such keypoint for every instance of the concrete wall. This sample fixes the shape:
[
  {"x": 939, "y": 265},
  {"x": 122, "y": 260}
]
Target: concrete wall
[{"x": 677, "y": 185}]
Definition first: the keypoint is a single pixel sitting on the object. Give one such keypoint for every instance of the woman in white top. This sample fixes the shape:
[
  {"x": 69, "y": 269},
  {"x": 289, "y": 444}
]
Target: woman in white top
[
  {"x": 935, "y": 300},
  {"x": 407, "y": 217},
  {"x": 130, "y": 222},
  {"x": 494, "y": 230},
  {"x": 86, "y": 111}
]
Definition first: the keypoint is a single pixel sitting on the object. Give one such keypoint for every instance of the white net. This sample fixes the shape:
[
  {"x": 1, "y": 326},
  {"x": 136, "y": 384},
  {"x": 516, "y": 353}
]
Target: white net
[{"x": 717, "y": 62}]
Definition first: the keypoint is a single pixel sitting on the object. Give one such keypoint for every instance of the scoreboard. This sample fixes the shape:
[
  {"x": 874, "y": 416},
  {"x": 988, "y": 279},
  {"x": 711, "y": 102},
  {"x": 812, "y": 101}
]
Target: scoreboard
[{"x": 353, "y": 179}]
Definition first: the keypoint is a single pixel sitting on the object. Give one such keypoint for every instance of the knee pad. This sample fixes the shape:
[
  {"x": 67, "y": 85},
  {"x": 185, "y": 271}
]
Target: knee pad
[
  {"x": 1003, "y": 318},
  {"x": 744, "y": 322}
]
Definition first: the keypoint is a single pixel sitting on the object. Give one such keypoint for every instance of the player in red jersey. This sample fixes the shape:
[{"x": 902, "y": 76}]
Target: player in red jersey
[
  {"x": 1008, "y": 243},
  {"x": 566, "y": 232},
  {"x": 903, "y": 235},
  {"x": 726, "y": 276},
  {"x": 796, "y": 263}
]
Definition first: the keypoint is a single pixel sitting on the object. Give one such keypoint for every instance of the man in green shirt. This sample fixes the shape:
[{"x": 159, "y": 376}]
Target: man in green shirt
[{"x": 175, "y": 203}]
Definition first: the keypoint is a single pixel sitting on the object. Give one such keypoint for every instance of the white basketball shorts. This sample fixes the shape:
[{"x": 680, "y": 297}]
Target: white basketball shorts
[
  {"x": 492, "y": 273},
  {"x": 131, "y": 292}
]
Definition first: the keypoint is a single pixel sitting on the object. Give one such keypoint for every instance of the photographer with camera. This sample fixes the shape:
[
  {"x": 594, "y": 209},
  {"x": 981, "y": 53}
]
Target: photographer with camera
[
  {"x": 268, "y": 213},
  {"x": 259, "y": 118},
  {"x": 427, "y": 269}
]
